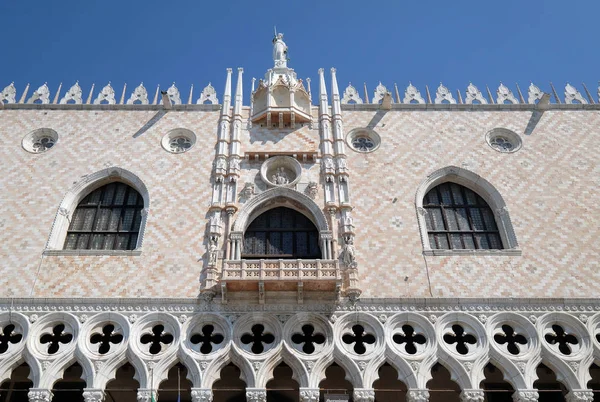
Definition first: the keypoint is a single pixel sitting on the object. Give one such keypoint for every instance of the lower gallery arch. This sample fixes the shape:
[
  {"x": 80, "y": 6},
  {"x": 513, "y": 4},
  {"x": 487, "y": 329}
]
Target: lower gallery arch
[
  {"x": 176, "y": 388},
  {"x": 282, "y": 388},
  {"x": 388, "y": 388},
  {"x": 15, "y": 388},
  {"x": 124, "y": 387},
  {"x": 594, "y": 383},
  {"x": 335, "y": 382},
  {"x": 230, "y": 388},
  {"x": 70, "y": 387},
  {"x": 495, "y": 388},
  {"x": 548, "y": 387},
  {"x": 441, "y": 387}
]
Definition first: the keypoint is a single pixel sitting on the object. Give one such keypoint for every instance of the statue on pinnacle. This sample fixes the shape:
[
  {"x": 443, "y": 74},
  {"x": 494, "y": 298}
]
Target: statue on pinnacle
[{"x": 279, "y": 51}]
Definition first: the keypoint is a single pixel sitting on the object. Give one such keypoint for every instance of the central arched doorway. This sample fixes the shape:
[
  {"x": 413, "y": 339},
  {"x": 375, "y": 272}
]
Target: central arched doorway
[{"x": 281, "y": 233}]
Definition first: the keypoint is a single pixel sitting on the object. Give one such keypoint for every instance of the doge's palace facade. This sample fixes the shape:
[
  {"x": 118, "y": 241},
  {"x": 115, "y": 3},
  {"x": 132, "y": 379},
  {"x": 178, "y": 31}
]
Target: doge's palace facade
[{"x": 328, "y": 245}]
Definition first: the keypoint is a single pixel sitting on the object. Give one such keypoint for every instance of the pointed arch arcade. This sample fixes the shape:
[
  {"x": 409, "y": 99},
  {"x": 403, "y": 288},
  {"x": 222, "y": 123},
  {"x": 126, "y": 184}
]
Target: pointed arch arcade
[{"x": 280, "y": 197}]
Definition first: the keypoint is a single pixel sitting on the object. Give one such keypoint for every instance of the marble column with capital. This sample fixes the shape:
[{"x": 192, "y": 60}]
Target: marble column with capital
[
  {"x": 525, "y": 395},
  {"x": 364, "y": 395},
  {"x": 472, "y": 395},
  {"x": 309, "y": 394},
  {"x": 39, "y": 395},
  {"x": 145, "y": 395},
  {"x": 93, "y": 395},
  {"x": 580, "y": 395},
  {"x": 202, "y": 395},
  {"x": 256, "y": 395},
  {"x": 417, "y": 395}
]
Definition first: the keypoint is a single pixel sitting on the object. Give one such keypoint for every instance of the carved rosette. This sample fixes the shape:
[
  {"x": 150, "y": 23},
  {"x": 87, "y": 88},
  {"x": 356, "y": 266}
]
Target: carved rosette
[
  {"x": 472, "y": 395},
  {"x": 580, "y": 395},
  {"x": 256, "y": 395},
  {"x": 309, "y": 395},
  {"x": 525, "y": 395},
  {"x": 364, "y": 395},
  {"x": 202, "y": 395},
  {"x": 93, "y": 395},
  {"x": 417, "y": 395},
  {"x": 39, "y": 395}
]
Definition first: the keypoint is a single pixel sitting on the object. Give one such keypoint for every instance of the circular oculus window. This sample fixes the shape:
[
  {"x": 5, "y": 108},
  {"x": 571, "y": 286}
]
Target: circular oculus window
[
  {"x": 40, "y": 140},
  {"x": 504, "y": 140},
  {"x": 363, "y": 140},
  {"x": 178, "y": 140}
]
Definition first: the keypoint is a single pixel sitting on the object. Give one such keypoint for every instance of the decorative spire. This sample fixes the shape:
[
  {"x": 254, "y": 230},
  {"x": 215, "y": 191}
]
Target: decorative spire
[
  {"x": 89, "y": 99},
  {"x": 239, "y": 93},
  {"x": 589, "y": 95},
  {"x": 227, "y": 93},
  {"x": 335, "y": 93},
  {"x": 122, "y": 101},
  {"x": 24, "y": 95},
  {"x": 308, "y": 87},
  {"x": 428, "y": 94},
  {"x": 490, "y": 94},
  {"x": 397, "y": 93},
  {"x": 366, "y": 94},
  {"x": 520, "y": 94},
  {"x": 322, "y": 92},
  {"x": 155, "y": 101},
  {"x": 555, "y": 94},
  {"x": 55, "y": 101}
]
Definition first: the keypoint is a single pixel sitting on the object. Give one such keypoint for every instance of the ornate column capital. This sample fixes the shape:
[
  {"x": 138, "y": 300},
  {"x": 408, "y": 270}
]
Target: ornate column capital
[
  {"x": 39, "y": 395},
  {"x": 417, "y": 395},
  {"x": 145, "y": 395},
  {"x": 309, "y": 394},
  {"x": 472, "y": 395},
  {"x": 364, "y": 395},
  {"x": 580, "y": 395},
  {"x": 202, "y": 395},
  {"x": 525, "y": 395},
  {"x": 256, "y": 394},
  {"x": 93, "y": 395}
]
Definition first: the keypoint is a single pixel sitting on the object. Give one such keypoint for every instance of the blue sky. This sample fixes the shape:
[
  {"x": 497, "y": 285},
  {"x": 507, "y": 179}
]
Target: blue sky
[{"x": 425, "y": 42}]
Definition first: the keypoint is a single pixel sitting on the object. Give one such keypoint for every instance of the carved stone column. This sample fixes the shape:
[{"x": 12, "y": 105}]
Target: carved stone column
[
  {"x": 364, "y": 395},
  {"x": 93, "y": 395},
  {"x": 472, "y": 395},
  {"x": 309, "y": 394},
  {"x": 39, "y": 395},
  {"x": 417, "y": 395},
  {"x": 202, "y": 395},
  {"x": 256, "y": 395},
  {"x": 145, "y": 395},
  {"x": 580, "y": 395},
  {"x": 525, "y": 395}
]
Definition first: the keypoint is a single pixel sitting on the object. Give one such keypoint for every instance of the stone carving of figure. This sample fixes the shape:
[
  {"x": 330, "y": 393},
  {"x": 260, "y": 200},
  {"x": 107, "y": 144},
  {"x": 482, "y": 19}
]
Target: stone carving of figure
[
  {"x": 215, "y": 219},
  {"x": 329, "y": 163},
  {"x": 348, "y": 220},
  {"x": 279, "y": 51},
  {"x": 212, "y": 251},
  {"x": 348, "y": 253},
  {"x": 280, "y": 177},
  {"x": 221, "y": 163},
  {"x": 234, "y": 164}
]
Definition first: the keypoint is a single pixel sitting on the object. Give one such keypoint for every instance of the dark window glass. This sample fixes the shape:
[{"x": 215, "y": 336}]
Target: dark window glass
[
  {"x": 108, "y": 218},
  {"x": 458, "y": 218},
  {"x": 281, "y": 233}
]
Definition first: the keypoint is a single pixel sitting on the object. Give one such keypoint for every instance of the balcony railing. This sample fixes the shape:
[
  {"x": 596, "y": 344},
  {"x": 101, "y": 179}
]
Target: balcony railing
[{"x": 281, "y": 270}]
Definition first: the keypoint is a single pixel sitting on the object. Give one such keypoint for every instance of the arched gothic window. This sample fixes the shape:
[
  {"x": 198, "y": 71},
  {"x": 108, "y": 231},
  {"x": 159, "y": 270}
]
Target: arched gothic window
[
  {"x": 458, "y": 218},
  {"x": 281, "y": 233},
  {"x": 108, "y": 218}
]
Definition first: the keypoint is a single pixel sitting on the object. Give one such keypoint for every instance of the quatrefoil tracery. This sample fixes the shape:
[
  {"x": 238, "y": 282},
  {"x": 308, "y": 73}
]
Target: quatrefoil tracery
[
  {"x": 360, "y": 338},
  {"x": 157, "y": 338},
  {"x": 511, "y": 339},
  {"x": 409, "y": 338},
  {"x": 107, "y": 337},
  {"x": 461, "y": 339},
  {"x": 562, "y": 338},
  {"x": 258, "y": 338},
  {"x": 9, "y": 336},
  {"x": 308, "y": 338},
  {"x": 207, "y": 339},
  {"x": 57, "y": 337}
]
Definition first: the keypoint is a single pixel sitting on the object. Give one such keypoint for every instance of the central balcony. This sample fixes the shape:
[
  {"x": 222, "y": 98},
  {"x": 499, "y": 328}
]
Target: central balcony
[{"x": 298, "y": 276}]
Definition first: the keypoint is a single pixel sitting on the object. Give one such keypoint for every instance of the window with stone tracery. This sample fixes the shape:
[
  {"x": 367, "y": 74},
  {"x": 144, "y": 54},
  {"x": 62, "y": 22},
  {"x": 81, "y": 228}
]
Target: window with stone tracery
[
  {"x": 458, "y": 218},
  {"x": 108, "y": 218},
  {"x": 281, "y": 233}
]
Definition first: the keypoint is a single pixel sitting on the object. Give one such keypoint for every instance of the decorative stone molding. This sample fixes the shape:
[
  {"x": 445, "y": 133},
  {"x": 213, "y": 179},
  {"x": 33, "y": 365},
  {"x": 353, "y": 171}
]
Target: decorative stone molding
[
  {"x": 534, "y": 93},
  {"x": 40, "y": 140},
  {"x": 443, "y": 94},
  {"x": 39, "y": 395},
  {"x": 309, "y": 394},
  {"x": 363, "y": 140},
  {"x": 93, "y": 395},
  {"x": 42, "y": 94},
  {"x": 312, "y": 189},
  {"x": 73, "y": 94},
  {"x": 412, "y": 94},
  {"x": 256, "y": 395},
  {"x": 178, "y": 140},
  {"x": 505, "y": 94},
  {"x": 146, "y": 395},
  {"x": 202, "y": 395},
  {"x": 480, "y": 186},
  {"x": 474, "y": 94},
  {"x": 281, "y": 171},
  {"x": 379, "y": 93},
  {"x": 572, "y": 95},
  {"x": 580, "y": 395},
  {"x": 82, "y": 188},
  {"x": 9, "y": 94},
  {"x": 351, "y": 96},
  {"x": 472, "y": 395},
  {"x": 140, "y": 95},
  {"x": 364, "y": 395},
  {"x": 525, "y": 395},
  {"x": 503, "y": 140},
  {"x": 417, "y": 395},
  {"x": 208, "y": 94},
  {"x": 173, "y": 94},
  {"x": 107, "y": 94}
]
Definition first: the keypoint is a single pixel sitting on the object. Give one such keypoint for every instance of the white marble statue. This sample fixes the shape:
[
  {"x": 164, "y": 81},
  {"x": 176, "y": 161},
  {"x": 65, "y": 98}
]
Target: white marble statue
[
  {"x": 280, "y": 177},
  {"x": 279, "y": 51}
]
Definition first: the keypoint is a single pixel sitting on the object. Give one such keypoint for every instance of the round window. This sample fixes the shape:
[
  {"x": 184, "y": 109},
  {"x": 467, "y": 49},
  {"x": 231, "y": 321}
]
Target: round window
[
  {"x": 363, "y": 140},
  {"x": 178, "y": 140},
  {"x": 40, "y": 140},
  {"x": 504, "y": 140}
]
